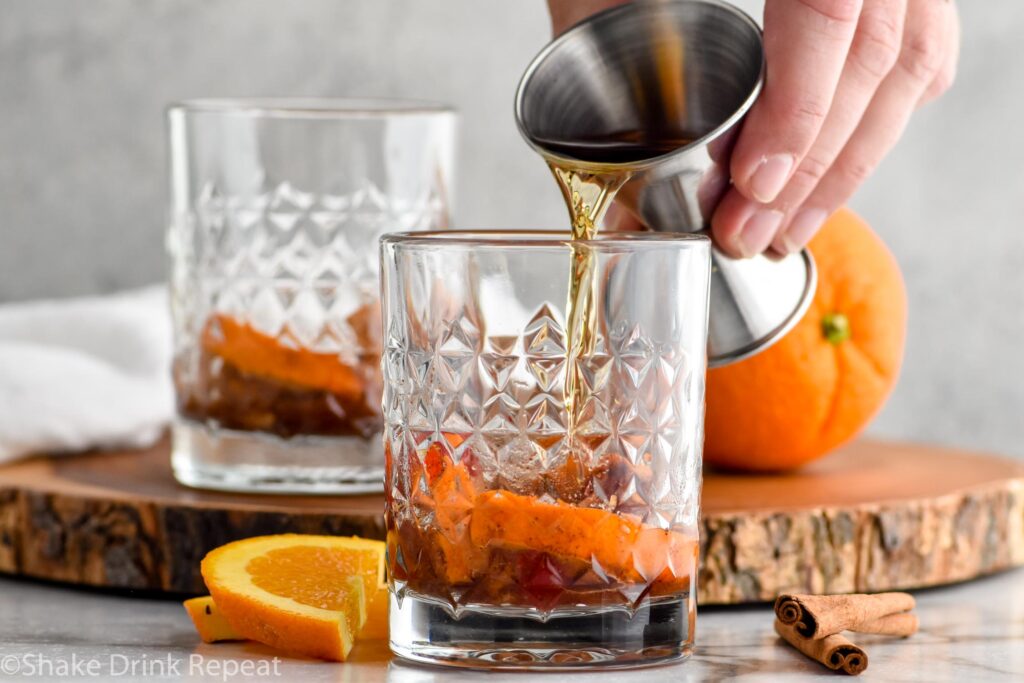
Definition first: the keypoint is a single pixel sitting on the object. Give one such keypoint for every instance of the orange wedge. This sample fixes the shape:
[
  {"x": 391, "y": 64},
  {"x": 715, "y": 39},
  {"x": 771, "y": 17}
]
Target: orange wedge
[
  {"x": 214, "y": 628},
  {"x": 302, "y": 594},
  {"x": 624, "y": 547},
  {"x": 209, "y": 622},
  {"x": 259, "y": 354},
  {"x": 376, "y": 627}
]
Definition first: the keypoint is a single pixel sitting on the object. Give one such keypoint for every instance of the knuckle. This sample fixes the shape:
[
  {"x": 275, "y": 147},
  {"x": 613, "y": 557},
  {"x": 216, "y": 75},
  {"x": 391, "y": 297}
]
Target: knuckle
[
  {"x": 811, "y": 170},
  {"x": 842, "y": 11},
  {"x": 924, "y": 51},
  {"x": 804, "y": 116},
  {"x": 856, "y": 171},
  {"x": 876, "y": 46}
]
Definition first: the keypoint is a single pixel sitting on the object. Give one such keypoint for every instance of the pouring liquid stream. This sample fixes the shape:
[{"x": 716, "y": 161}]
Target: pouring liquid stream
[{"x": 587, "y": 195}]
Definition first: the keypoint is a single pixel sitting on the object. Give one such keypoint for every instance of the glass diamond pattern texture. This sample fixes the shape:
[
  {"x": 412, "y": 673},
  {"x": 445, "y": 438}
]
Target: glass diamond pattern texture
[
  {"x": 276, "y": 216},
  {"x": 502, "y": 501}
]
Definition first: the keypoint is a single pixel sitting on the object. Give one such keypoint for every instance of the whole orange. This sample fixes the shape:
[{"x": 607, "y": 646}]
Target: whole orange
[{"x": 821, "y": 384}]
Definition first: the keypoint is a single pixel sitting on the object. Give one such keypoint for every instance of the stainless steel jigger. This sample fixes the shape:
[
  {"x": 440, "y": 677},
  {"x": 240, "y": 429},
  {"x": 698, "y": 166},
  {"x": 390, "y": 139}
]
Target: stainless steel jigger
[{"x": 669, "y": 70}]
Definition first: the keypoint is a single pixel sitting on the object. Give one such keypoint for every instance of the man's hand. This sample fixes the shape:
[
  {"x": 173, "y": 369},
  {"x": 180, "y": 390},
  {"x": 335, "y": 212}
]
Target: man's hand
[{"x": 843, "y": 78}]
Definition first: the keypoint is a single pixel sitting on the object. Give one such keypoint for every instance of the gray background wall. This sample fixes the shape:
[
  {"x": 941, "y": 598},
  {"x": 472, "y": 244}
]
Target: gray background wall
[{"x": 82, "y": 87}]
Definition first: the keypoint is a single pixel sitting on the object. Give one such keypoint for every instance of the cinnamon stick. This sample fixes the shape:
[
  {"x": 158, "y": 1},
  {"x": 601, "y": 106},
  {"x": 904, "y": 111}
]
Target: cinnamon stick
[
  {"x": 819, "y": 616},
  {"x": 834, "y": 651},
  {"x": 902, "y": 624}
]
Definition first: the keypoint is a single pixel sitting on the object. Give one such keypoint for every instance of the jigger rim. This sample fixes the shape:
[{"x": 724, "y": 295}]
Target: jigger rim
[
  {"x": 642, "y": 164},
  {"x": 783, "y": 328}
]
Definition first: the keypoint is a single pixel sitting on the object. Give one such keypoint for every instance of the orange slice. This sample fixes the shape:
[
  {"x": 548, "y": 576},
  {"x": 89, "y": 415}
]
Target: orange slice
[
  {"x": 622, "y": 546},
  {"x": 259, "y": 354},
  {"x": 302, "y": 594},
  {"x": 209, "y": 622},
  {"x": 376, "y": 627},
  {"x": 214, "y": 628}
]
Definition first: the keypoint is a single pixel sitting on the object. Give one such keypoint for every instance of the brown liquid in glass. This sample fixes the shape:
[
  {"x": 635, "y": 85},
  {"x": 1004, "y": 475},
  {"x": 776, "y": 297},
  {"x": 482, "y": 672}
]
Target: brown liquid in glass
[{"x": 551, "y": 539}]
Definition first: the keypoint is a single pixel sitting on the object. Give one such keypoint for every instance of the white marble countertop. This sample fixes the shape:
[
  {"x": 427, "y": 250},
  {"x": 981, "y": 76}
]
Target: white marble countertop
[{"x": 970, "y": 632}]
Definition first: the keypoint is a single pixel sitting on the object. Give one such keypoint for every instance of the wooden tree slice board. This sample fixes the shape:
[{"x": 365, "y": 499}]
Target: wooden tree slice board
[{"x": 873, "y": 516}]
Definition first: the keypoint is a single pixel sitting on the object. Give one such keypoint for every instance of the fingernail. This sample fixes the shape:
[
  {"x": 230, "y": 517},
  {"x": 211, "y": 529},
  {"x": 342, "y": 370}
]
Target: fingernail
[
  {"x": 770, "y": 176},
  {"x": 758, "y": 231},
  {"x": 802, "y": 228}
]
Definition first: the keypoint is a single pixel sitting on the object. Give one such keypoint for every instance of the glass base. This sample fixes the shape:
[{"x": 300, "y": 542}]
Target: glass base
[
  {"x": 225, "y": 460},
  {"x": 424, "y": 631}
]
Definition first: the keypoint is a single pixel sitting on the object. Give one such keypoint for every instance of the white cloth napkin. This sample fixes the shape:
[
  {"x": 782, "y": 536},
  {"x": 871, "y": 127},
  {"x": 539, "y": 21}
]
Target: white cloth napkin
[{"x": 85, "y": 373}]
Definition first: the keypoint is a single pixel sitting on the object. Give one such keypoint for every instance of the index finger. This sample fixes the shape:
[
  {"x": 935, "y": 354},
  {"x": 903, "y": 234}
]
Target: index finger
[{"x": 806, "y": 43}]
